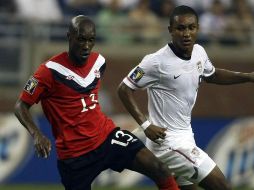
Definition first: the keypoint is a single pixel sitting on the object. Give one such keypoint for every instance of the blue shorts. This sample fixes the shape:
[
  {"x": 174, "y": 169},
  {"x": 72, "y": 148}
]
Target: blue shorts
[{"x": 117, "y": 153}]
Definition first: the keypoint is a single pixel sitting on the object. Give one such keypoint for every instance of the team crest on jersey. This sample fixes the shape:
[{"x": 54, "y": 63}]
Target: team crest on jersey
[
  {"x": 31, "y": 85},
  {"x": 195, "y": 152},
  {"x": 97, "y": 73},
  {"x": 137, "y": 74},
  {"x": 199, "y": 67},
  {"x": 69, "y": 77}
]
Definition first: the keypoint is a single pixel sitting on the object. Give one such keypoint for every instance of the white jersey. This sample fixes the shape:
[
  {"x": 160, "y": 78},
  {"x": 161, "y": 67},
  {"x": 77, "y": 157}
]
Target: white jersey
[{"x": 172, "y": 85}]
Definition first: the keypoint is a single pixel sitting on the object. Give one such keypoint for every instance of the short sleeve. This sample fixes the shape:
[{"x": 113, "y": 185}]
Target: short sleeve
[
  {"x": 144, "y": 75},
  {"x": 209, "y": 69},
  {"x": 38, "y": 86}
]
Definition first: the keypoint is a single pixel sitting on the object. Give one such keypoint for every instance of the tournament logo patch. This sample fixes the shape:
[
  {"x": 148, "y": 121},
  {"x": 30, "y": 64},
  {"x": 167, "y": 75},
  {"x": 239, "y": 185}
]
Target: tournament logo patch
[
  {"x": 70, "y": 77},
  {"x": 137, "y": 74},
  {"x": 31, "y": 85}
]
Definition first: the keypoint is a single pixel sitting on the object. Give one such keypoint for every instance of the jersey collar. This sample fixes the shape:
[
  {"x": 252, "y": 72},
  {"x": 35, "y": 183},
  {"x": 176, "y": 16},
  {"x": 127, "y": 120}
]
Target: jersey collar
[{"x": 172, "y": 47}]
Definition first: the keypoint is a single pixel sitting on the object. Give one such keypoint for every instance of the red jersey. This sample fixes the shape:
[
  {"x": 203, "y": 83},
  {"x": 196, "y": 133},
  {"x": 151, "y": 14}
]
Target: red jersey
[{"x": 69, "y": 99}]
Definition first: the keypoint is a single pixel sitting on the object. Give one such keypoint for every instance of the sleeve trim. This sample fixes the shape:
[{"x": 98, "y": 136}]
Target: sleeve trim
[
  {"x": 130, "y": 84},
  {"x": 210, "y": 73}
]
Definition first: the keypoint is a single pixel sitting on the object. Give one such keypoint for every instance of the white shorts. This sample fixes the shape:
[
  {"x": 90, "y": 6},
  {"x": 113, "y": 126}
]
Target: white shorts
[{"x": 188, "y": 162}]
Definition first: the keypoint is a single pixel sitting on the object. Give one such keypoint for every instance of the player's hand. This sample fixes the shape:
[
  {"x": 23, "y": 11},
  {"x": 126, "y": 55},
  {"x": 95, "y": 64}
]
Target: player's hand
[
  {"x": 42, "y": 145},
  {"x": 155, "y": 133}
]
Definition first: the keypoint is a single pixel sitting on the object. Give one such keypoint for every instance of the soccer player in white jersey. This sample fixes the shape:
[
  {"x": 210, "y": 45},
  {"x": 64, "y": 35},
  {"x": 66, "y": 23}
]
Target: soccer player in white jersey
[{"x": 172, "y": 76}]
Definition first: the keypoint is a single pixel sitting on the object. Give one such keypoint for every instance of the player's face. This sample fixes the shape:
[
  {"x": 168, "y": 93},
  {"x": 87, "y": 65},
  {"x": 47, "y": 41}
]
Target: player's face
[
  {"x": 184, "y": 32},
  {"x": 81, "y": 43}
]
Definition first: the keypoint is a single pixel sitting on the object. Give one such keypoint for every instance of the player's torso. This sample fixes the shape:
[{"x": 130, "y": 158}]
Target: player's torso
[
  {"x": 75, "y": 91},
  {"x": 181, "y": 78},
  {"x": 171, "y": 99},
  {"x": 69, "y": 98}
]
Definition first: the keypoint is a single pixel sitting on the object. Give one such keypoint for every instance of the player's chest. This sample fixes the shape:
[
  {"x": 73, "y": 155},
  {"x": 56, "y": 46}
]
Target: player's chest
[
  {"x": 73, "y": 98},
  {"x": 67, "y": 80},
  {"x": 182, "y": 75}
]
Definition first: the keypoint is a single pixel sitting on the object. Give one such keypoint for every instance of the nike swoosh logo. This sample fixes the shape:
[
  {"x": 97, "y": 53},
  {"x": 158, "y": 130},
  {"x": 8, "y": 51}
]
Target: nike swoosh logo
[{"x": 175, "y": 77}]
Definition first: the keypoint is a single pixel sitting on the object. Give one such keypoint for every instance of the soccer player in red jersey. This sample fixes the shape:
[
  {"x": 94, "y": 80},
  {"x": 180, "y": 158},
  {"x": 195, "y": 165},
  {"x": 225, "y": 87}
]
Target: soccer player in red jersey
[{"x": 87, "y": 141}]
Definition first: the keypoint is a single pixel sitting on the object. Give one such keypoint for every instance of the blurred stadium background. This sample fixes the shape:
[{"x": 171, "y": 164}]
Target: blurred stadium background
[{"x": 223, "y": 119}]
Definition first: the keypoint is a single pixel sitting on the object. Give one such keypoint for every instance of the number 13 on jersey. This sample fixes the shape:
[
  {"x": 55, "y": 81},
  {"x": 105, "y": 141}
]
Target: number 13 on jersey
[{"x": 92, "y": 106}]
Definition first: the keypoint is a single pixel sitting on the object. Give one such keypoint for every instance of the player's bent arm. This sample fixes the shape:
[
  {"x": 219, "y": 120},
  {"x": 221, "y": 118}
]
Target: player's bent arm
[
  {"x": 153, "y": 132},
  {"x": 21, "y": 111},
  {"x": 226, "y": 77},
  {"x": 126, "y": 94},
  {"x": 41, "y": 143}
]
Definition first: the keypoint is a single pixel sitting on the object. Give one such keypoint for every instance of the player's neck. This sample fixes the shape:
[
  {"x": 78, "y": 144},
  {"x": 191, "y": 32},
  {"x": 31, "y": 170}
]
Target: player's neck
[
  {"x": 179, "y": 52},
  {"x": 74, "y": 61}
]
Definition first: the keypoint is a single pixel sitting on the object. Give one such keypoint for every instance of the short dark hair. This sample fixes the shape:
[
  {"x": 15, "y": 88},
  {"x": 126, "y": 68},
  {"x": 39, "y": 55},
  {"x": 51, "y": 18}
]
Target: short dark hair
[
  {"x": 182, "y": 10},
  {"x": 77, "y": 20}
]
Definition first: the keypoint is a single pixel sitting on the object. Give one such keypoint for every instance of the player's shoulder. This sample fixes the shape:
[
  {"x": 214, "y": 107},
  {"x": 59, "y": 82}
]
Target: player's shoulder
[
  {"x": 157, "y": 55},
  {"x": 97, "y": 55},
  {"x": 199, "y": 48},
  {"x": 59, "y": 57},
  {"x": 163, "y": 50}
]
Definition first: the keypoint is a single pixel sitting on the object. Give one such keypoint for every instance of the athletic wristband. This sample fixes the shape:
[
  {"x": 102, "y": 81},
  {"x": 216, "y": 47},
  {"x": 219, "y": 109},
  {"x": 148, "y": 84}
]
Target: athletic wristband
[{"x": 145, "y": 124}]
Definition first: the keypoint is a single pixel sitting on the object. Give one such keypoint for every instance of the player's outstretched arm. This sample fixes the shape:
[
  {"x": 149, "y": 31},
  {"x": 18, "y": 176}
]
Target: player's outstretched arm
[
  {"x": 226, "y": 77},
  {"x": 41, "y": 143}
]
